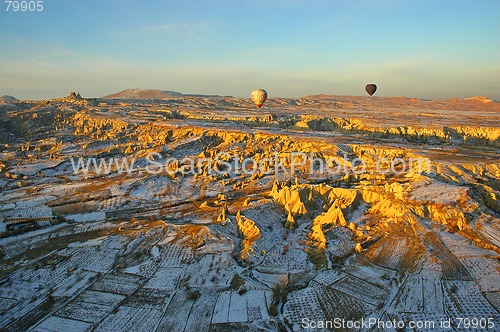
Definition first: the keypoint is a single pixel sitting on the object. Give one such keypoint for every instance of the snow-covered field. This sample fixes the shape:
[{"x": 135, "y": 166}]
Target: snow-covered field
[{"x": 213, "y": 248}]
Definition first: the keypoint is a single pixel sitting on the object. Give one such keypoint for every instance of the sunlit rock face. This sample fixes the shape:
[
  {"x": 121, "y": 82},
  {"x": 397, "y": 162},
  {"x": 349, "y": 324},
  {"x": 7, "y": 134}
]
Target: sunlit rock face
[{"x": 156, "y": 210}]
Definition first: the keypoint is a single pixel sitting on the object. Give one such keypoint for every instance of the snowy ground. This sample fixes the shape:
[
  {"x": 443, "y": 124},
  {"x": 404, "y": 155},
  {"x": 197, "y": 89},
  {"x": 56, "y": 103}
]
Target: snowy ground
[{"x": 181, "y": 251}]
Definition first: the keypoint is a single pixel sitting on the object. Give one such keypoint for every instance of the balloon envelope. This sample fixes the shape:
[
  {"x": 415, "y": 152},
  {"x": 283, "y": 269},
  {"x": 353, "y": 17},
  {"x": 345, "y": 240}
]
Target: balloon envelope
[
  {"x": 259, "y": 96},
  {"x": 371, "y": 88}
]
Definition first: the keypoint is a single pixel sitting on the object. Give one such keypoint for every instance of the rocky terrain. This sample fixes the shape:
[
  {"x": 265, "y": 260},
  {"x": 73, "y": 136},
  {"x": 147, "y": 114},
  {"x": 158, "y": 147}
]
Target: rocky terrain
[{"x": 319, "y": 207}]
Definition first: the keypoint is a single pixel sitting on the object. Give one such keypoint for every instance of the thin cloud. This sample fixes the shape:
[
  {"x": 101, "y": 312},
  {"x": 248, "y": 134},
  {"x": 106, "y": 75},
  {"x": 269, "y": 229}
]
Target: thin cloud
[
  {"x": 178, "y": 29},
  {"x": 50, "y": 56}
]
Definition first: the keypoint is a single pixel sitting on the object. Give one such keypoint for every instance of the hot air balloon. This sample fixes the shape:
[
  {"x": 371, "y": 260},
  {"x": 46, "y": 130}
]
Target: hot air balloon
[
  {"x": 259, "y": 96},
  {"x": 371, "y": 88}
]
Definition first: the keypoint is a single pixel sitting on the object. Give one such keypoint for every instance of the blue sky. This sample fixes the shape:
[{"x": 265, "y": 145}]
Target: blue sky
[{"x": 413, "y": 48}]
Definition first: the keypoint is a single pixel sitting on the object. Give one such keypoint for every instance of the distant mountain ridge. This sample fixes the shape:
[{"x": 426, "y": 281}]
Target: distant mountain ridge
[
  {"x": 8, "y": 99},
  {"x": 151, "y": 94},
  {"x": 481, "y": 99},
  {"x": 143, "y": 94}
]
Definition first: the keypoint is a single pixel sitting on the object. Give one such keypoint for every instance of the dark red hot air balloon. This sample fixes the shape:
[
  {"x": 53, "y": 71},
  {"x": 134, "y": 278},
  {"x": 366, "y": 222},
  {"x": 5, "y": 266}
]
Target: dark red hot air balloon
[{"x": 371, "y": 88}]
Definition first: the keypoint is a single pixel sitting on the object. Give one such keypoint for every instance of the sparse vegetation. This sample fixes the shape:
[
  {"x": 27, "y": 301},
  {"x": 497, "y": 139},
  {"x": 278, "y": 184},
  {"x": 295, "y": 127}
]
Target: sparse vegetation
[{"x": 193, "y": 294}]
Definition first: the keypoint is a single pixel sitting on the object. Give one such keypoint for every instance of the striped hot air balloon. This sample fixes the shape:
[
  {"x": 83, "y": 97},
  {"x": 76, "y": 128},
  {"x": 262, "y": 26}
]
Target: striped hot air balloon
[{"x": 259, "y": 96}]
